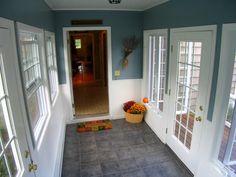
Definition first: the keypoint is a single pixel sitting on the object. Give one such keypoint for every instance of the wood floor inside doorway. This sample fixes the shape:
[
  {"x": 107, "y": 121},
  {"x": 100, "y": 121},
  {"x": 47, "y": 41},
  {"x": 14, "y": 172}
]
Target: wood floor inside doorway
[{"x": 90, "y": 100}]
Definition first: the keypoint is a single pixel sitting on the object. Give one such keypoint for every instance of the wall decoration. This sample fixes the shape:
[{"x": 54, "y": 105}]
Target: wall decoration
[{"x": 129, "y": 45}]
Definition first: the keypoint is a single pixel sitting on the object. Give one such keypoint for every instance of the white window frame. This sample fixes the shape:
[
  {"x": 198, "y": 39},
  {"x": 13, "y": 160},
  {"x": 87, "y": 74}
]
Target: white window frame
[
  {"x": 53, "y": 84},
  {"x": 222, "y": 97},
  {"x": 44, "y": 98},
  {"x": 155, "y": 55}
]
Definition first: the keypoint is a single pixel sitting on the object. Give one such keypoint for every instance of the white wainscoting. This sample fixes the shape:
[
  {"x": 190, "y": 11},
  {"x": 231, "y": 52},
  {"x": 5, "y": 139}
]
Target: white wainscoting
[
  {"x": 156, "y": 122},
  {"x": 121, "y": 92}
]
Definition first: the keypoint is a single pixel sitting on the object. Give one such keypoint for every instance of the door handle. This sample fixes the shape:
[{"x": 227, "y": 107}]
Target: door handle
[
  {"x": 199, "y": 119},
  {"x": 32, "y": 167}
]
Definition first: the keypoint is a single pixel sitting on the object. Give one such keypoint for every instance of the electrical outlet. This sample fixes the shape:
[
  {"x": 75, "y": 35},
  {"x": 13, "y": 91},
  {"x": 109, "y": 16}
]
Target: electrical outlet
[{"x": 117, "y": 73}]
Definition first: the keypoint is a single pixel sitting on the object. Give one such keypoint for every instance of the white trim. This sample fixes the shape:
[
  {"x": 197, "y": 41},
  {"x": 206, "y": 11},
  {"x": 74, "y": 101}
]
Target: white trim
[
  {"x": 88, "y": 119},
  {"x": 100, "y": 9},
  {"x": 60, "y": 152},
  {"x": 67, "y": 61},
  {"x": 156, "y": 4},
  {"x": 195, "y": 29},
  {"x": 223, "y": 93},
  {"x": 51, "y": 5}
]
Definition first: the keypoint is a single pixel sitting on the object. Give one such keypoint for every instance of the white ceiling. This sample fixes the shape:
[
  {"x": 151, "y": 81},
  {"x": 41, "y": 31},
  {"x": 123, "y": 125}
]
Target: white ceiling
[{"x": 133, "y": 5}]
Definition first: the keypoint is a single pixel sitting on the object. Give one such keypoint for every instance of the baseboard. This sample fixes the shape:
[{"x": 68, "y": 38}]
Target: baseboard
[{"x": 59, "y": 158}]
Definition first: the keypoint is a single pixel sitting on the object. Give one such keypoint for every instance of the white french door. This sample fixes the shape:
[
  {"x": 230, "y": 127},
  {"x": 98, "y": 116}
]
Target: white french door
[
  {"x": 190, "y": 81},
  {"x": 14, "y": 152}
]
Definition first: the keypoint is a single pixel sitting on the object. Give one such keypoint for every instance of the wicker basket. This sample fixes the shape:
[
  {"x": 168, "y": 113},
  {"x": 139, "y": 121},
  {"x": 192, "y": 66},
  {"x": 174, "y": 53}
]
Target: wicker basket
[{"x": 133, "y": 118}]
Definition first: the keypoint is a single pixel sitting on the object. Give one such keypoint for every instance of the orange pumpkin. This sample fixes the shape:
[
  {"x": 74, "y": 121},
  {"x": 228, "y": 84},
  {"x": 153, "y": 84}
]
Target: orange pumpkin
[{"x": 145, "y": 100}]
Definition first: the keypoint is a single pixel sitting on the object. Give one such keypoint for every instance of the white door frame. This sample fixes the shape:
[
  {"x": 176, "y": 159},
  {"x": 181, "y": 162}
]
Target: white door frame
[
  {"x": 67, "y": 61},
  {"x": 212, "y": 29}
]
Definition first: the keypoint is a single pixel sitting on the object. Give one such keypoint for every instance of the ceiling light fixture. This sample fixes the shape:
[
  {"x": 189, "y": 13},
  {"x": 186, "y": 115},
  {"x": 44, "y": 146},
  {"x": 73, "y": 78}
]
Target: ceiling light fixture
[{"x": 114, "y": 1}]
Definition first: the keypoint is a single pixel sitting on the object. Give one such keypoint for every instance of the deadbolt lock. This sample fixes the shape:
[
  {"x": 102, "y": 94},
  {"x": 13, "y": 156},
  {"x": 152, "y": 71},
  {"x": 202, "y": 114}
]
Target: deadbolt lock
[
  {"x": 199, "y": 119},
  {"x": 27, "y": 154},
  {"x": 32, "y": 167}
]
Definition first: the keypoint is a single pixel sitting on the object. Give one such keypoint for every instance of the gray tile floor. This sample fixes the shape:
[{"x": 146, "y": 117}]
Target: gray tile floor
[{"x": 127, "y": 150}]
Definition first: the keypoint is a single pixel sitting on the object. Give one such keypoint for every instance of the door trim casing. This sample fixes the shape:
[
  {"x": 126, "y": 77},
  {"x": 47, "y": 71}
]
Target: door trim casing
[{"x": 67, "y": 61}]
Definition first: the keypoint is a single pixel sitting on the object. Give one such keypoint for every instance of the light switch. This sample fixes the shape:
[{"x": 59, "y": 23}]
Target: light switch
[{"x": 117, "y": 73}]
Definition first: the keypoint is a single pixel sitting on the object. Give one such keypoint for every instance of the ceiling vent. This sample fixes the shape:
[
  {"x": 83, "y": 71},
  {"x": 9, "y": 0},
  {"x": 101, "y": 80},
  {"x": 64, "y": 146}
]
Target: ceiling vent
[{"x": 114, "y": 1}]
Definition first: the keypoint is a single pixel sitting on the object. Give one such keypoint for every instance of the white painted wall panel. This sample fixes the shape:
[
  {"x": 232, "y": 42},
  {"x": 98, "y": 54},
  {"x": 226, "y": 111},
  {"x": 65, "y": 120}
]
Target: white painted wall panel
[
  {"x": 156, "y": 122},
  {"x": 121, "y": 92}
]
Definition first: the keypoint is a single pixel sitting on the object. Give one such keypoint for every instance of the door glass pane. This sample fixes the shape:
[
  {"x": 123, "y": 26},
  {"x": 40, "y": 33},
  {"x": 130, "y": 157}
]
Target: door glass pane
[
  {"x": 189, "y": 59},
  {"x": 3, "y": 168},
  {"x": 3, "y": 128}
]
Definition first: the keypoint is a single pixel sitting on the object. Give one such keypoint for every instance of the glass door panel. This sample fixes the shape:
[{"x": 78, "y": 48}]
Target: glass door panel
[{"x": 188, "y": 68}]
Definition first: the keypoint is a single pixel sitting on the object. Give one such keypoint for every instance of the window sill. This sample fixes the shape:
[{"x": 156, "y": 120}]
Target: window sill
[
  {"x": 151, "y": 107},
  {"x": 222, "y": 169},
  {"x": 40, "y": 129}
]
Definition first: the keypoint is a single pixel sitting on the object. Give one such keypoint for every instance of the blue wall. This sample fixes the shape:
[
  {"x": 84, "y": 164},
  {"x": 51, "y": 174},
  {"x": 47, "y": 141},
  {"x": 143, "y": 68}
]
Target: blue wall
[
  {"x": 122, "y": 24},
  {"x": 31, "y": 12},
  {"x": 183, "y": 13}
]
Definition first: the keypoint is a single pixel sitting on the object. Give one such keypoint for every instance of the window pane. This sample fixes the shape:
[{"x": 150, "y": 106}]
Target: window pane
[
  {"x": 30, "y": 60},
  {"x": 36, "y": 106},
  {"x": 34, "y": 109},
  {"x": 52, "y": 69},
  {"x": 78, "y": 43}
]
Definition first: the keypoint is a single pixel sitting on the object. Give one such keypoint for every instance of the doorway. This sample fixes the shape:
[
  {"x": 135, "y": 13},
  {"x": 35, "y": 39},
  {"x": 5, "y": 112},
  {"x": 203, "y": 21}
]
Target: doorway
[
  {"x": 88, "y": 54},
  {"x": 190, "y": 83}
]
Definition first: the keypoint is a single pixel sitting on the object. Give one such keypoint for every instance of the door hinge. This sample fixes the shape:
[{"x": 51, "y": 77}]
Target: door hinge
[
  {"x": 166, "y": 130},
  {"x": 73, "y": 105},
  {"x": 169, "y": 91},
  {"x": 171, "y": 48}
]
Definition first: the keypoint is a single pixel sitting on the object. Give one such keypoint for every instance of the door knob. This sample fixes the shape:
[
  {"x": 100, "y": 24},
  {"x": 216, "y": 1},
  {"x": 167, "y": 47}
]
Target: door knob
[
  {"x": 199, "y": 119},
  {"x": 32, "y": 167}
]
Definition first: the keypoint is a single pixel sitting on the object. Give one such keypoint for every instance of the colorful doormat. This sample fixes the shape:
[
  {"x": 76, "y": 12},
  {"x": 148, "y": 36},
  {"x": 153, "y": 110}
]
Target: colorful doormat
[{"x": 94, "y": 125}]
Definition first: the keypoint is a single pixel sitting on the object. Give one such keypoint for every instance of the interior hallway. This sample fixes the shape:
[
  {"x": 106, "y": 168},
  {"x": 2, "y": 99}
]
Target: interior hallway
[
  {"x": 90, "y": 96},
  {"x": 127, "y": 150}
]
